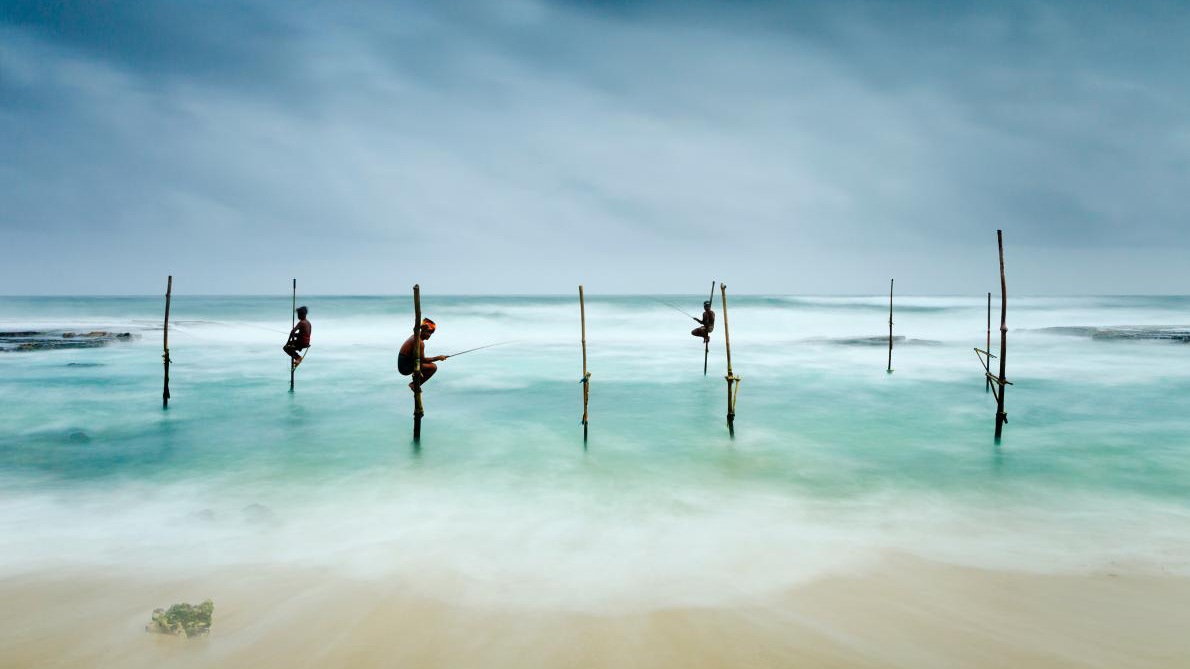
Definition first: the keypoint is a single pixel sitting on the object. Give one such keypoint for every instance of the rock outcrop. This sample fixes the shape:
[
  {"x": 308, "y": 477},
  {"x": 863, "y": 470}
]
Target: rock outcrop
[
  {"x": 1173, "y": 333},
  {"x": 48, "y": 340}
]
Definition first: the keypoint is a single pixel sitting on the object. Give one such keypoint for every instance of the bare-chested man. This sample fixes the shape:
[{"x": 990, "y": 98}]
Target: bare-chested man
[
  {"x": 707, "y": 323},
  {"x": 405, "y": 358},
  {"x": 299, "y": 337}
]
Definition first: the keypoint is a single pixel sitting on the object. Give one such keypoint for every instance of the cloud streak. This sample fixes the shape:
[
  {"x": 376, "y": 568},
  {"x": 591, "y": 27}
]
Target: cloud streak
[{"x": 634, "y": 147}]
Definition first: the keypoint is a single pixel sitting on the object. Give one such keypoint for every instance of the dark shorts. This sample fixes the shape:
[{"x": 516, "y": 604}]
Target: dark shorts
[{"x": 405, "y": 364}]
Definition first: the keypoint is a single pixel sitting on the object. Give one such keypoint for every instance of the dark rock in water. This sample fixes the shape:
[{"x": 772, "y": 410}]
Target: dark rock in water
[
  {"x": 183, "y": 620},
  {"x": 57, "y": 339},
  {"x": 84, "y": 364},
  {"x": 78, "y": 437},
  {"x": 1173, "y": 333},
  {"x": 868, "y": 341},
  {"x": 1071, "y": 330},
  {"x": 881, "y": 340},
  {"x": 259, "y": 514}
]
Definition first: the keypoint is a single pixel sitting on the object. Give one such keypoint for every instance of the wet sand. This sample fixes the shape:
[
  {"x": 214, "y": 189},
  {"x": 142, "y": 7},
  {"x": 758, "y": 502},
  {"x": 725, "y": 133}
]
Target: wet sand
[{"x": 904, "y": 612}]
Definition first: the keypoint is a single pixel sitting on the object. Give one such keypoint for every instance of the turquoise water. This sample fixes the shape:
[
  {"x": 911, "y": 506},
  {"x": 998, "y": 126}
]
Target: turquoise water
[{"x": 834, "y": 462}]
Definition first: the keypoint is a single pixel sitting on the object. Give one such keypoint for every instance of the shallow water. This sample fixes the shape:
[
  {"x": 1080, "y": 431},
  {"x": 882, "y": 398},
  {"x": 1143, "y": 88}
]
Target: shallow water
[{"x": 833, "y": 464}]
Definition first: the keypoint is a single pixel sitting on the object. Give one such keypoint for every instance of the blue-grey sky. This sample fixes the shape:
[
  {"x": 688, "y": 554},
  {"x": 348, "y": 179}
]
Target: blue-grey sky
[{"x": 525, "y": 146}]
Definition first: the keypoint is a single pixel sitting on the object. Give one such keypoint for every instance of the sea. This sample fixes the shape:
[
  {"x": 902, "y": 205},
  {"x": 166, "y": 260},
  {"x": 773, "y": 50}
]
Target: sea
[{"x": 835, "y": 462}]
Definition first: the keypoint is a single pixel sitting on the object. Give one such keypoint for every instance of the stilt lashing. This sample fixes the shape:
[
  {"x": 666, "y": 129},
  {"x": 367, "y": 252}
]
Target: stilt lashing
[
  {"x": 706, "y": 345},
  {"x": 890, "y": 324},
  {"x": 1002, "y": 382},
  {"x": 733, "y": 381},
  {"x": 988, "y": 346},
  {"x": 292, "y": 325},
  {"x": 169, "y": 289},
  {"x": 586, "y": 380},
  {"x": 418, "y": 352}
]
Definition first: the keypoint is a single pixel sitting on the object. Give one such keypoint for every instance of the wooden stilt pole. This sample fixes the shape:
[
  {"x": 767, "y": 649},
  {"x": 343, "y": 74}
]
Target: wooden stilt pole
[
  {"x": 890, "y": 324},
  {"x": 706, "y": 345},
  {"x": 582, "y": 311},
  {"x": 1002, "y": 382},
  {"x": 988, "y": 381},
  {"x": 292, "y": 323},
  {"x": 169, "y": 289},
  {"x": 418, "y": 351},
  {"x": 733, "y": 381}
]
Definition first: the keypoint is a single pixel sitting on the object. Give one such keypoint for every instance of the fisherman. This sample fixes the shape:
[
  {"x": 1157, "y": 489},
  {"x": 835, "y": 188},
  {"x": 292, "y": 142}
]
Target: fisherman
[
  {"x": 299, "y": 337},
  {"x": 405, "y": 357},
  {"x": 707, "y": 322}
]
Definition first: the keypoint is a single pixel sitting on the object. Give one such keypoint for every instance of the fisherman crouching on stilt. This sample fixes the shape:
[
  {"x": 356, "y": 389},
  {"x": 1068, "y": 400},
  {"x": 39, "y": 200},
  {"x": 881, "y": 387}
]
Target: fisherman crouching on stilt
[
  {"x": 707, "y": 323},
  {"x": 299, "y": 337},
  {"x": 411, "y": 347}
]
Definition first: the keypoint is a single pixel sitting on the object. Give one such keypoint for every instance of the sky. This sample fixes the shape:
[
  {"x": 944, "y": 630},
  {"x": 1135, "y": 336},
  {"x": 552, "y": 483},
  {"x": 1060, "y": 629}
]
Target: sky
[{"x": 526, "y": 146}]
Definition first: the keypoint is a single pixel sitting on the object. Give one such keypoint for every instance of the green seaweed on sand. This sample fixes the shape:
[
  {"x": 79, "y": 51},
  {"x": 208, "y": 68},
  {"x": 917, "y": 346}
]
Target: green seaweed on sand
[{"x": 183, "y": 620}]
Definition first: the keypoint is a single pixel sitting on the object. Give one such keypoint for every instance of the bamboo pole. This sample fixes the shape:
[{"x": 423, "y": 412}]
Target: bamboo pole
[
  {"x": 733, "y": 381},
  {"x": 582, "y": 310},
  {"x": 418, "y": 351},
  {"x": 890, "y": 324},
  {"x": 292, "y": 324},
  {"x": 988, "y": 347},
  {"x": 706, "y": 345},
  {"x": 169, "y": 289},
  {"x": 1002, "y": 417}
]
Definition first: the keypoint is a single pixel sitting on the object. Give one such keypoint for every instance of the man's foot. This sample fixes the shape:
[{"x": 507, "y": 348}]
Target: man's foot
[{"x": 296, "y": 362}]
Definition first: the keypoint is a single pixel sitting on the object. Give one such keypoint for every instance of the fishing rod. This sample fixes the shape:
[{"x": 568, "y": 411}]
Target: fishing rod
[
  {"x": 248, "y": 325},
  {"x": 681, "y": 311},
  {"x": 480, "y": 348}
]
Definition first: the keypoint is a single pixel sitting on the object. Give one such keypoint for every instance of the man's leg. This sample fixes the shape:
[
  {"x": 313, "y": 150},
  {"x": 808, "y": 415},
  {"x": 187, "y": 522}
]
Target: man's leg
[
  {"x": 427, "y": 370},
  {"x": 291, "y": 351}
]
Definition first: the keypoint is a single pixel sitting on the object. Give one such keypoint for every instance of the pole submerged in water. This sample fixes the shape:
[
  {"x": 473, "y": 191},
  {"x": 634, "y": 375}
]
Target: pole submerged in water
[
  {"x": 733, "y": 381},
  {"x": 706, "y": 345},
  {"x": 418, "y": 409},
  {"x": 169, "y": 289},
  {"x": 987, "y": 381},
  {"x": 890, "y": 324},
  {"x": 292, "y": 324},
  {"x": 1002, "y": 382},
  {"x": 586, "y": 381}
]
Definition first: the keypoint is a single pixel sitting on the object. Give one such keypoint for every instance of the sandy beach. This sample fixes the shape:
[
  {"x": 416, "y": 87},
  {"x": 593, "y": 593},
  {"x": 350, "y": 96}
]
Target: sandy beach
[{"x": 905, "y": 612}]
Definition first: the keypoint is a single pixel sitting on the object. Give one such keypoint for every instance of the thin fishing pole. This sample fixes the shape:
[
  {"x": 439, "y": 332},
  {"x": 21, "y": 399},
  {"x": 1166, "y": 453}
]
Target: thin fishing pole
[
  {"x": 480, "y": 348},
  {"x": 681, "y": 311}
]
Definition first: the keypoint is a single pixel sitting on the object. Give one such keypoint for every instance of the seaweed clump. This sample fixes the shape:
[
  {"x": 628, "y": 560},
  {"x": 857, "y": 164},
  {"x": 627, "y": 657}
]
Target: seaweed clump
[{"x": 183, "y": 620}]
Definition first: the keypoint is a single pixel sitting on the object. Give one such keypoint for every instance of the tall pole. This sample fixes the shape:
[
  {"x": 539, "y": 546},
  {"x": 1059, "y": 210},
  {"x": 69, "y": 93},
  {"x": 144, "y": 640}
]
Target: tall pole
[
  {"x": 582, "y": 311},
  {"x": 1002, "y": 417},
  {"x": 733, "y": 382},
  {"x": 988, "y": 381},
  {"x": 292, "y": 324},
  {"x": 169, "y": 289},
  {"x": 418, "y": 350},
  {"x": 706, "y": 345},
  {"x": 890, "y": 324}
]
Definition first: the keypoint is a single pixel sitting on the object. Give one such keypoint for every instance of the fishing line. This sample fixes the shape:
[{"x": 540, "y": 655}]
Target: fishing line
[
  {"x": 480, "y": 348},
  {"x": 681, "y": 311}
]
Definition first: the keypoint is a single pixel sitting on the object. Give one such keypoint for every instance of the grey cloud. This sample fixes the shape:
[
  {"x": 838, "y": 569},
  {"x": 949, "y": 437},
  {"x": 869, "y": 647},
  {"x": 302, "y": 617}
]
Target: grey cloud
[{"x": 522, "y": 147}]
